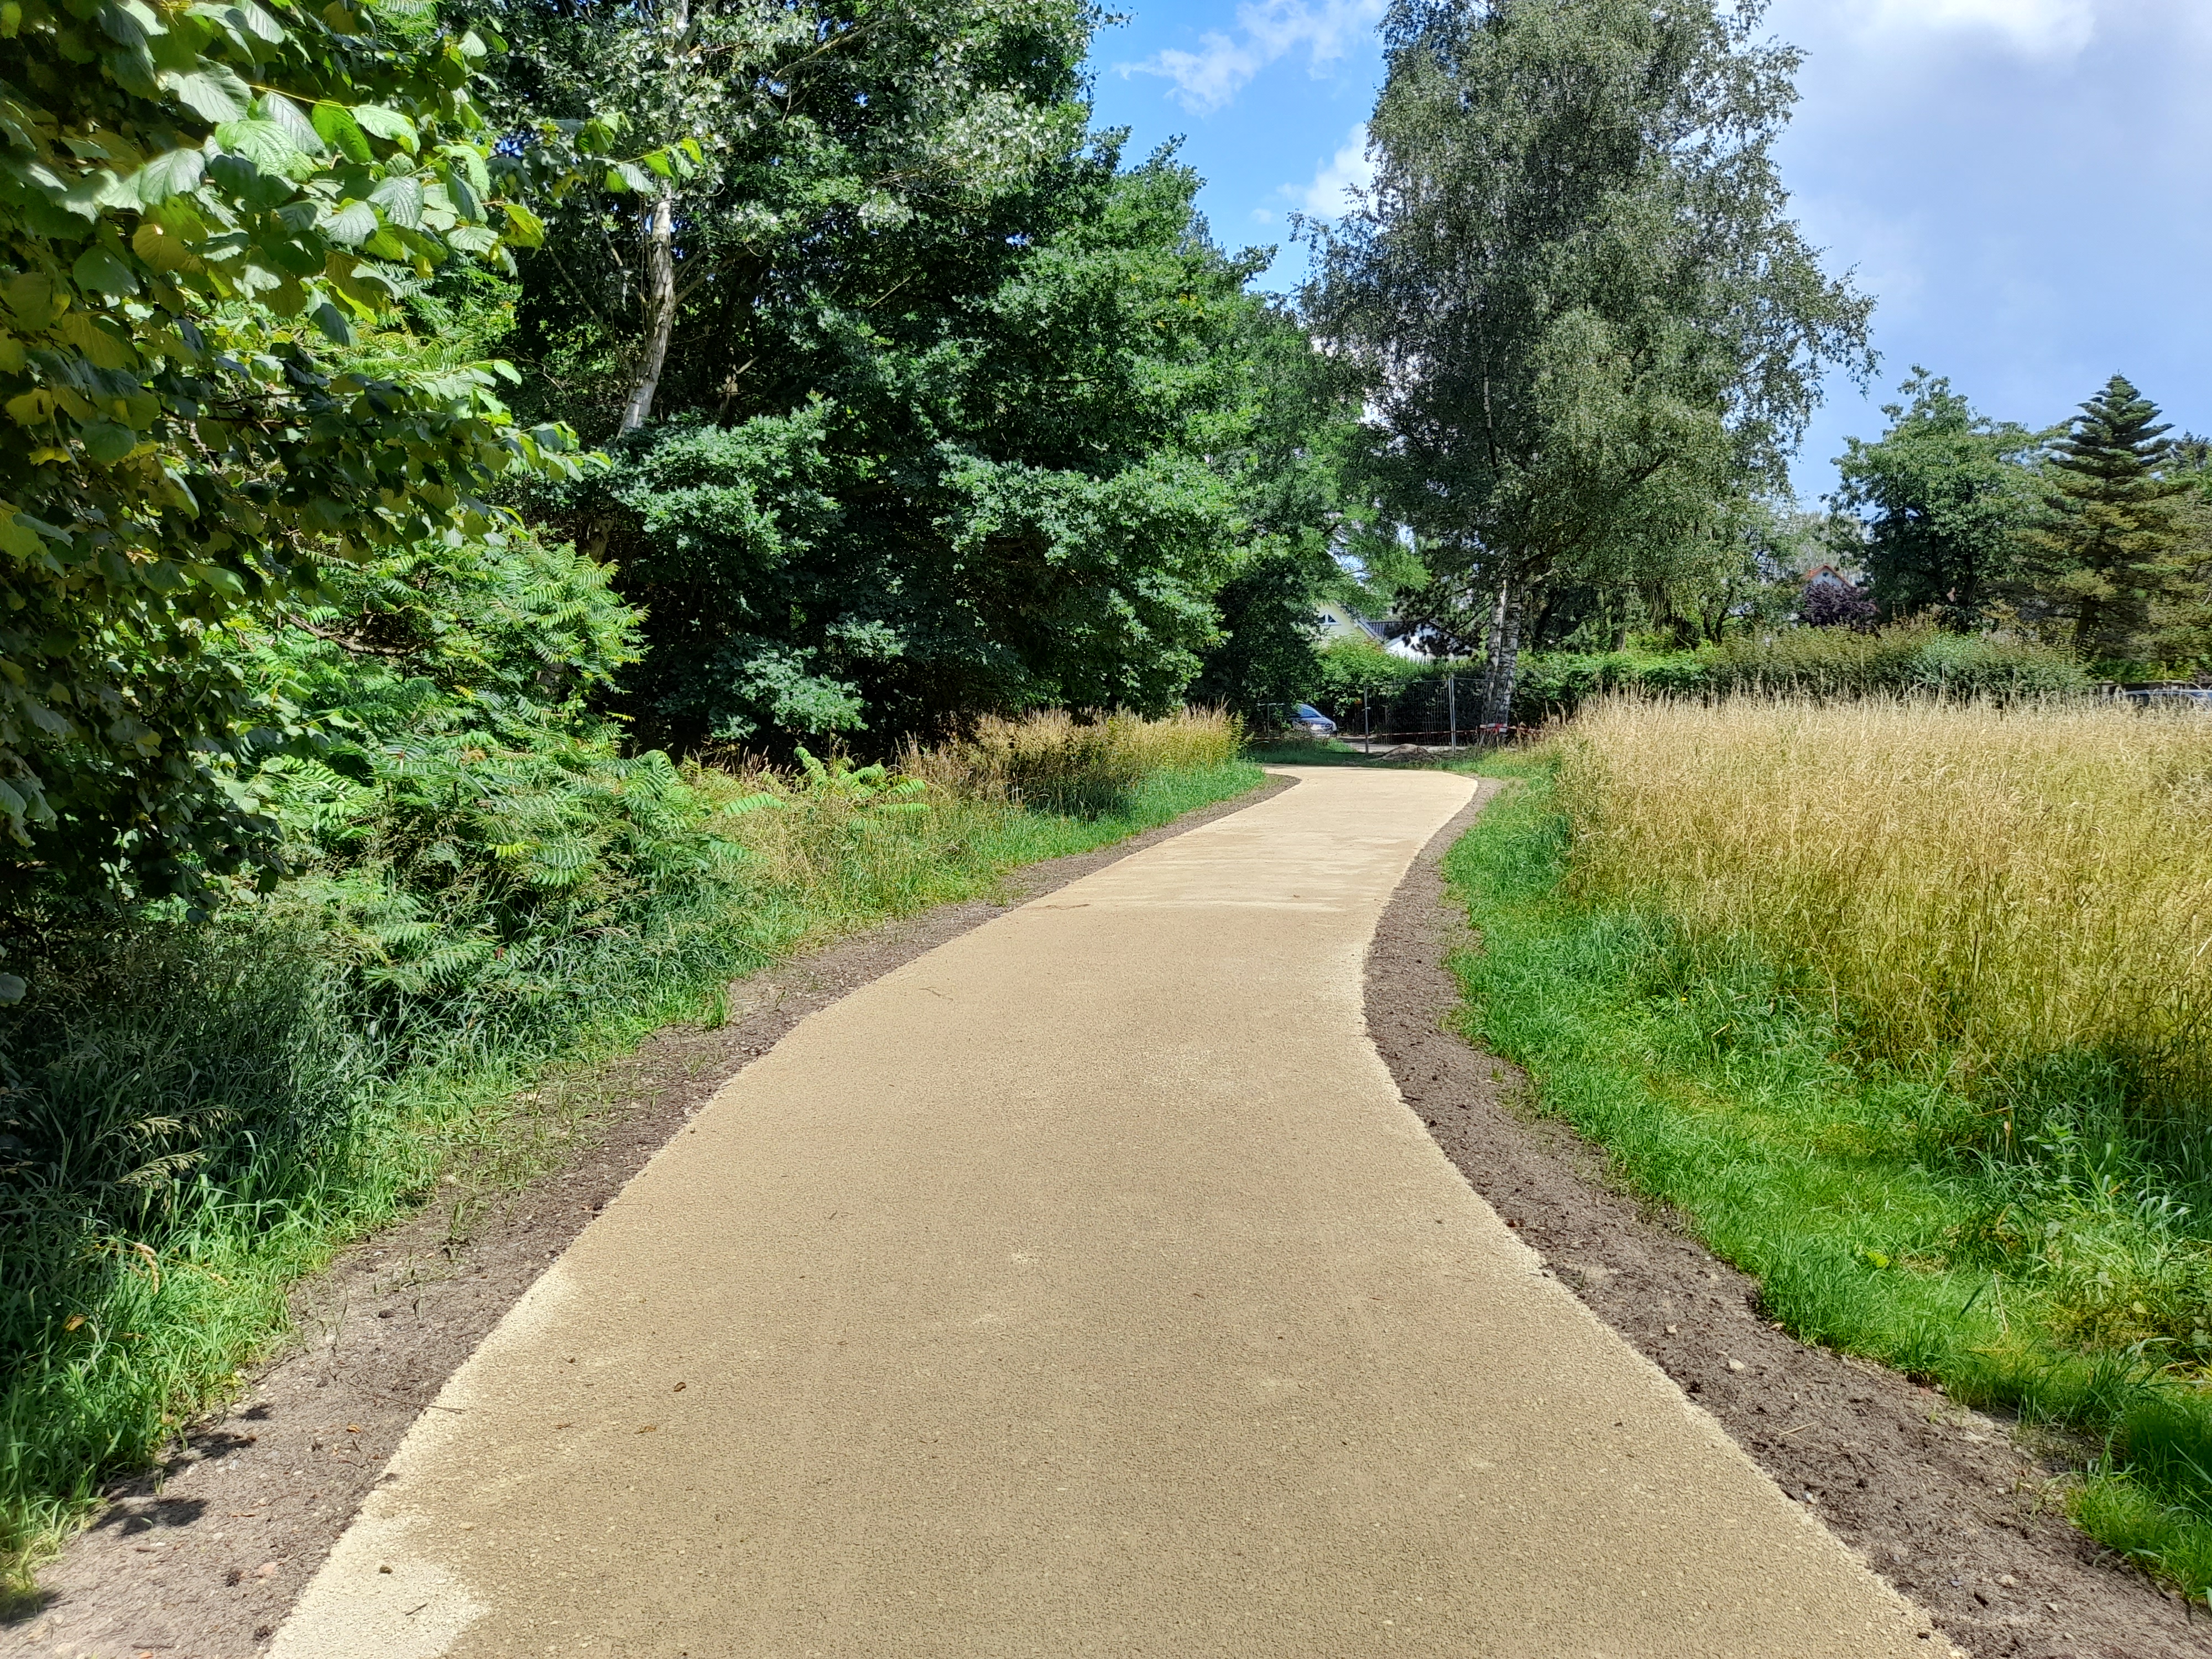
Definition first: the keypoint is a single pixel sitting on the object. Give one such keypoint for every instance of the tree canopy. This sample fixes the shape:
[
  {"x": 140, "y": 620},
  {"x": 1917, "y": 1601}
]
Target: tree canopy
[
  {"x": 1944, "y": 496},
  {"x": 1585, "y": 320}
]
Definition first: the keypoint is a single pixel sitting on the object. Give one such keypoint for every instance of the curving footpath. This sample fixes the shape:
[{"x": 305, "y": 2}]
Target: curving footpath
[{"x": 1083, "y": 1287}]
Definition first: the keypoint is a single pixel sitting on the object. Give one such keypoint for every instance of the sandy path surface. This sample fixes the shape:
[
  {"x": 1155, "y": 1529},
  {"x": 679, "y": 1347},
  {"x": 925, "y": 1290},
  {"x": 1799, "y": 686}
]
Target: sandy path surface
[{"x": 1083, "y": 1287}]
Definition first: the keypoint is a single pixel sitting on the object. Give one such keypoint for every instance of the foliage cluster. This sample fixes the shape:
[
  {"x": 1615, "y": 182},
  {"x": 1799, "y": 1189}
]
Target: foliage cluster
[
  {"x": 1590, "y": 330},
  {"x": 191, "y": 201},
  {"x": 1946, "y": 1122},
  {"x": 2096, "y": 535}
]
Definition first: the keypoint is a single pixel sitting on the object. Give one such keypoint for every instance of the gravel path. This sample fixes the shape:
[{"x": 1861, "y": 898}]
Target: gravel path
[{"x": 1083, "y": 1287}]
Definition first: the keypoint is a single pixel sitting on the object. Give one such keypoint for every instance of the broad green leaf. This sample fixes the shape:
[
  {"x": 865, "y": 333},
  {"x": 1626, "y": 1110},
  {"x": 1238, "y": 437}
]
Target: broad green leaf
[
  {"x": 31, "y": 296},
  {"x": 213, "y": 93},
  {"x": 260, "y": 22},
  {"x": 103, "y": 344},
  {"x": 107, "y": 442},
  {"x": 342, "y": 132},
  {"x": 524, "y": 228},
  {"x": 629, "y": 176},
  {"x": 170, "y": 173},
  {"x": 387, "y": 125},
  {"x": 160, "y": 249},
  {"x": 352, "y": 224},
  {"x": 96, "y": 268},
  {"x": 401, "y": 199},
  {"x": 13, "y": 986},
  {"x": 264, "y": 143},
  {"x": 282, "y": 113},
  {"x": 16, "y": 537}
]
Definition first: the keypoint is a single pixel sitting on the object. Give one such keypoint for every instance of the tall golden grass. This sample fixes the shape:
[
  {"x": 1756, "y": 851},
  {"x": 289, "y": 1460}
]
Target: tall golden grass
[
  {"x": 1051, "y": 759},
  {"x": 1996, "y": 887}
]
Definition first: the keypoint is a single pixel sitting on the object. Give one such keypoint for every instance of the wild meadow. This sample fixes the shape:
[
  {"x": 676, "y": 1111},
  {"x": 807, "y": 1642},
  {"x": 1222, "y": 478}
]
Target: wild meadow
[
  {"x": 199, "y": 1110},
  {"x": 1903, "y": 1005}
]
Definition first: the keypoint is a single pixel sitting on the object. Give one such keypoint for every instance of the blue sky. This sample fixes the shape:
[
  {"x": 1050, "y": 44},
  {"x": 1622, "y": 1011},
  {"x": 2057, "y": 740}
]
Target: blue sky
[{"x": 2024, "y": 186}]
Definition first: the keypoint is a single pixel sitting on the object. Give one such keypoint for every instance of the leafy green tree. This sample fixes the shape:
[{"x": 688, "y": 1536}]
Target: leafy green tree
[
  {"x": 1946, "y": 497},
  {"x": 1587, "y": 324},
  {"x": 192, "y": 201},
  {"x": 799, "y": 146},
  {"x": 2112, "y": 526},
  {"x": 1292, "y": 481}
]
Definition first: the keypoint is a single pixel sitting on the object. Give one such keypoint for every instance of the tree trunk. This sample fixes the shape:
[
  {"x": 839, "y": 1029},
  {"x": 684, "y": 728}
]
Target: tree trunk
[
  {"x": 659, "y": 294},
  {"x": 1504, "y": 658},
  {"x": 659, "y": 308}
]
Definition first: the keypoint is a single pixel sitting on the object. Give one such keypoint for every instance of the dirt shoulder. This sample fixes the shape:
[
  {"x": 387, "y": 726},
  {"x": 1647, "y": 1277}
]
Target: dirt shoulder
[
  {"x": 1943, "y": 1502},
  {"x": 202, "y": 1558}
]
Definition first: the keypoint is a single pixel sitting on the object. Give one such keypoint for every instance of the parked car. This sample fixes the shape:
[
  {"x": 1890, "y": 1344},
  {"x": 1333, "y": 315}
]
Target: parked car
[
  {"x": 2145, "y": 696},
  {"x": 1305, "y": 718}
]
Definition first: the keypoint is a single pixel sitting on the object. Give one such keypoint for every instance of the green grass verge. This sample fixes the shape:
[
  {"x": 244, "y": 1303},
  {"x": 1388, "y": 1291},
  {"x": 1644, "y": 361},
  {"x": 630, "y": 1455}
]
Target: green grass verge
[
  {"x": 1844, "y": 1193},
  {"x": 125, "y": 1309}
]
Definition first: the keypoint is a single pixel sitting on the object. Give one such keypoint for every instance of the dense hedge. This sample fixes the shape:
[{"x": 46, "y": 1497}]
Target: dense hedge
[{"x": 1826, "y": 662}]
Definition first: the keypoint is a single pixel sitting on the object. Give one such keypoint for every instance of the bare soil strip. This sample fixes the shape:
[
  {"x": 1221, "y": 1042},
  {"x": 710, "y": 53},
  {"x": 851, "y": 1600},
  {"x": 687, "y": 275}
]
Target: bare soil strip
[
  {"x": 1943, "y": 1503},
  {"x": 202, "y": 1558}
]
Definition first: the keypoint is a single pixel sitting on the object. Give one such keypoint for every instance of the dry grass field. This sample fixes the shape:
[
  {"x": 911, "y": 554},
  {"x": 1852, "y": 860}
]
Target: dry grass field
[{"x": 1903, "y": 1004}]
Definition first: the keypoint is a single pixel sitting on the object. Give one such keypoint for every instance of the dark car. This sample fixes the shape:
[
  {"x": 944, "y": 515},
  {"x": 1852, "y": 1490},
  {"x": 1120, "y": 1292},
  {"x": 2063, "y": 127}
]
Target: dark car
[{"x": 1305, "y": 718}]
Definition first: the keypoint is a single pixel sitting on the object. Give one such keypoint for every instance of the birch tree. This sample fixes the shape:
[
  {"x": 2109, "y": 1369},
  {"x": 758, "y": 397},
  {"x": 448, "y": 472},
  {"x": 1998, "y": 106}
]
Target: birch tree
[{"x": 1587, "y": 324}]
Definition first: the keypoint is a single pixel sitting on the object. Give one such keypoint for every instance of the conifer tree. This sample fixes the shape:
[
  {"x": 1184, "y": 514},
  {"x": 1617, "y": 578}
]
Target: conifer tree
[{"x": 2113, "y": 527}]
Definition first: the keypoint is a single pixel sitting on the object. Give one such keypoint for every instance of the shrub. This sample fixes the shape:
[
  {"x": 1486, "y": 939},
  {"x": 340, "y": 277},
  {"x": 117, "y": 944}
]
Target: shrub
[{"x": 1908, "y": 659}]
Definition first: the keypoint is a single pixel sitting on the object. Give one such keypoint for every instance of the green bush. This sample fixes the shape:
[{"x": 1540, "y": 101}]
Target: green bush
[{"x": 1909, "y": 658}]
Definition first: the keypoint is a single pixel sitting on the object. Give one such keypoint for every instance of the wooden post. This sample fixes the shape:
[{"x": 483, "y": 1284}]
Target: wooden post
[
  {"x": 1451, "y": 699},
  {"x": 1366, "y": 725}
]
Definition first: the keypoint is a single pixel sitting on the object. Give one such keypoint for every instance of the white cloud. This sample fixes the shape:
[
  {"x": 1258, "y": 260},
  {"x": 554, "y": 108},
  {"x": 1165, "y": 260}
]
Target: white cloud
[
  {"x": 1206, "y": 79},
  {"x": 1330, "y": 192},
  {"x": 2038, "y": 28},
  {"x": 1263, "y": 216}
]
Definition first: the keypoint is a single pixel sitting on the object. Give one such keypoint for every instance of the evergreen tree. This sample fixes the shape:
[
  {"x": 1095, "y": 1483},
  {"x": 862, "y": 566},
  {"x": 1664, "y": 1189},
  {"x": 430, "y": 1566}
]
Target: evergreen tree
[{"x": 2112, "y": 527}]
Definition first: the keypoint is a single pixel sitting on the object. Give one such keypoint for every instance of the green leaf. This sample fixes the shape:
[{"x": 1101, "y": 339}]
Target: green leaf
[
  {"x": 212, "y": 92},
  {"x": 387, "y": 125},
  {"x": 283, "y": 115},
  {"x": 333, "y": 325},
  {"x": 106, "y": 442},
  {"x": 13, "y": 986},
  {"x": 401, "y": 199},
  {"x": 264, "y": 143},
  {"x": 261, "y": 23},
  {"x": 524, "y": 228},
  {"x": 170, "y": 173},
  {"x": 352, "y": 224},
  {"x": 96, "y": 268},
  {"x": 629, "y": 176},
  {"x": 335, "y": 123},
  {"x": 16, "y": 537}
]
